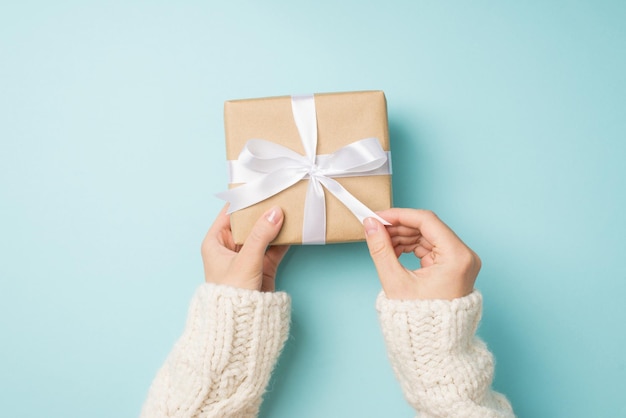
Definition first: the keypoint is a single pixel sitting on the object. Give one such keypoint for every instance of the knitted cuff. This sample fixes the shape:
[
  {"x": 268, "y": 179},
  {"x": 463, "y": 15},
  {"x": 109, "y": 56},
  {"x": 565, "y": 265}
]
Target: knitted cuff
[
  {"x": 223, "y": 361},
  {"x": 441, "y": 366},
  {"x": 443, "y": 324},
  {"x": 225, "y": 318}
]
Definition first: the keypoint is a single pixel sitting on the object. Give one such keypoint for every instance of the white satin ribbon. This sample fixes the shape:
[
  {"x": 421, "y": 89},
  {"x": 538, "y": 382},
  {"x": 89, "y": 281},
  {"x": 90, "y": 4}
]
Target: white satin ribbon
[{"x": 268, "y": 168}]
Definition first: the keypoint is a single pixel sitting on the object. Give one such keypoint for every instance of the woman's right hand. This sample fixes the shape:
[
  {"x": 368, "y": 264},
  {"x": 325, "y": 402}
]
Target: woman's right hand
[{"x": 448, "y": 266}]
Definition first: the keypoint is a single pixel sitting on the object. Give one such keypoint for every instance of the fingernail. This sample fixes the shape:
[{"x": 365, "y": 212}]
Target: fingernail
[
  {"x": 273, "y": 216},
  {"x": 371, "y": 226}
]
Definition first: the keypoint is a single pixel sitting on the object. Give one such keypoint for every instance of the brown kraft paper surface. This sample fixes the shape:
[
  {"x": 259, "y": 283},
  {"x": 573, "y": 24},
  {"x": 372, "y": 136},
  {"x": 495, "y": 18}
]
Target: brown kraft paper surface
[{"x": 342, "y": 118}]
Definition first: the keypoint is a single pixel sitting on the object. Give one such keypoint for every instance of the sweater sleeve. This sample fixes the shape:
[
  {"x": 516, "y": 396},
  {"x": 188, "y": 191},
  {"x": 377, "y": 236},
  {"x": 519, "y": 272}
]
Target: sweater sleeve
[
  {"x": 222, "y": 363},
  {"x": 443, "y": 368}
]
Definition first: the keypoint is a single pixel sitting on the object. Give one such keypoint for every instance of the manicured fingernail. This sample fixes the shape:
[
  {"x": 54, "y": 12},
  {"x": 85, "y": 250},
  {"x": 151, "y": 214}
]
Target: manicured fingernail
[
  {"x": 273, "y": 216},
  {"x": 371, "y": 226}
]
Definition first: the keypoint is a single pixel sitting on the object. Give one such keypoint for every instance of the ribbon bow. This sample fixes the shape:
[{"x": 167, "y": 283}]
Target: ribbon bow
[{"x": 268, "y": 168}]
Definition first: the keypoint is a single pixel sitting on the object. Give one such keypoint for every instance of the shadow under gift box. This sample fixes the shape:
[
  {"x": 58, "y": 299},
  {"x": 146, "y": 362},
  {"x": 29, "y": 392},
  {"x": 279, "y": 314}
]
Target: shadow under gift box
[{"x": 342, "y": 118}]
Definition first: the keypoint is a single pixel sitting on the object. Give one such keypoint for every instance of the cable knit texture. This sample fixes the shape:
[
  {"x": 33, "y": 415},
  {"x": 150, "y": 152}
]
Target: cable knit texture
[
  {"x": 443, "y": 368},
  {"x": 222, "y": 363}
]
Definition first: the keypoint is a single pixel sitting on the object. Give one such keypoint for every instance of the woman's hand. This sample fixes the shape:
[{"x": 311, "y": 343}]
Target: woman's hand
[
  {"x": 249, "y": 266},
  {"x": 448, "y": 266}
]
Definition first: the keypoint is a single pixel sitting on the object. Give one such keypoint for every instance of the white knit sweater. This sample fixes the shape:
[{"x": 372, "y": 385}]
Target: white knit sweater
[
  {"x": 223, "y": 361},
  {"x": 443, "y": 368}
]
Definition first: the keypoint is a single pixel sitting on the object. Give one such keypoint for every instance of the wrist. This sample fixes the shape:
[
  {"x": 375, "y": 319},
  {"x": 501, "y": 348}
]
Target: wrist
[{"x": 235, "y": 282}]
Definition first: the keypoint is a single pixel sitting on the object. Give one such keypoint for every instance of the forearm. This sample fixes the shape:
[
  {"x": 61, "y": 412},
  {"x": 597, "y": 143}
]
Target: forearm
[
  {"x": 443, "y": 368},
  {"x": 222, "y": 363}
]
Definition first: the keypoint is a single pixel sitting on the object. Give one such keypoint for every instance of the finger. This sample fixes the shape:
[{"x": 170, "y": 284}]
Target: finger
[
  {"x": 263, "y": 232},
  {"x": 402, "y": 230},
  {"x": 427, "y": 259},
  {"x": 219, "y": 233},
  {"x": 406, "y": 235},
  {"x": 382, "y": 252},
  {"x": 419, "y": 251},
  {"x": 433, "y": 229},
  {"x": 276, "y": 253},
  {"x": 222, "y": 222},
  {"x": 406, "y": 241},
  {"x": 273, "y": 257}
]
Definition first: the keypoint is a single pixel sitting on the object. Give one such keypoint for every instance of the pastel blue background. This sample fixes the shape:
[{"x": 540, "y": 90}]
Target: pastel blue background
[{"x": 507, "y": 118}]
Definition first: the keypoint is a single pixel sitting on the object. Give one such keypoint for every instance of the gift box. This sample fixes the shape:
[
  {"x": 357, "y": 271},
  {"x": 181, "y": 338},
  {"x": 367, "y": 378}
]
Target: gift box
[{"x": 324, "y": 159}]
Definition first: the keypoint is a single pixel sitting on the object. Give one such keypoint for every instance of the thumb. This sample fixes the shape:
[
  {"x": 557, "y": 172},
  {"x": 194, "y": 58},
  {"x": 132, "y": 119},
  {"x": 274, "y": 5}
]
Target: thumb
[
  {"x": 382, "y": 252},
  {"x": 263, "y": 232}
]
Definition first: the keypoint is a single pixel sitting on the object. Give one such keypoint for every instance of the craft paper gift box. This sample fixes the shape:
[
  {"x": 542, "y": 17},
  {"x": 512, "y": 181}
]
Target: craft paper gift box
[{"x": 326, "y": 123}]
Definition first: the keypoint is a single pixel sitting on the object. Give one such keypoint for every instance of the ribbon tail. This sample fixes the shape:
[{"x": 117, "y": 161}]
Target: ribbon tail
[
  {"x": 314, "y": 222},
  {"x": 357, "y": 208},
  {"x": 260, "y": 189}
]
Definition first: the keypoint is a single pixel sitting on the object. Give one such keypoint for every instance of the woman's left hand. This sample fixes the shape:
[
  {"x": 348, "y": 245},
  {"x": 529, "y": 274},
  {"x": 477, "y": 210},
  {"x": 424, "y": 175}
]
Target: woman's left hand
[{"x": 249, "y": 266}]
